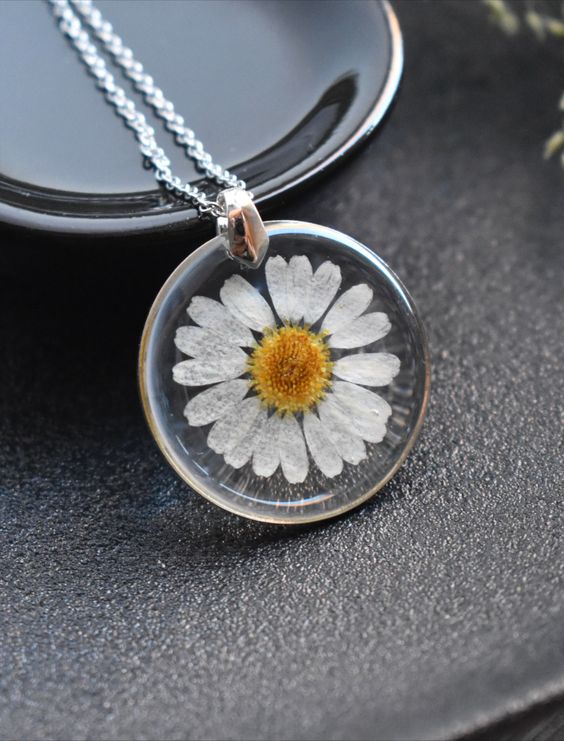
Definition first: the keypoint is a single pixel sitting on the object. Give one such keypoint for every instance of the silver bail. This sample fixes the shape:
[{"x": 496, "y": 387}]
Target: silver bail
[{"x": 242, "y": 227}]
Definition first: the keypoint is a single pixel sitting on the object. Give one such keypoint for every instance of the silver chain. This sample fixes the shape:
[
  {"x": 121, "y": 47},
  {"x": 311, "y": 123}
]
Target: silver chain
[{"x": 69, "y": 14}]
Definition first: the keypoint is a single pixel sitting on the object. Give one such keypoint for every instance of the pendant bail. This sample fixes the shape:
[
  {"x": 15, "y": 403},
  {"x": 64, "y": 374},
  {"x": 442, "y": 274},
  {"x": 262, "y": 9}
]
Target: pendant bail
[{"x": 241, "y": 226}]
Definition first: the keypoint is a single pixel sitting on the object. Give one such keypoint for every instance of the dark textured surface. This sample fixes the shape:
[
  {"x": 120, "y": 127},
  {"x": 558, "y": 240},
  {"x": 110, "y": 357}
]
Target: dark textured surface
[{"x": 131, "y": 608}]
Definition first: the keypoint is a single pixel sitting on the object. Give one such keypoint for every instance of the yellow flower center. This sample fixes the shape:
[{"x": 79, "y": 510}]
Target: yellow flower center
[{"x": 291, "y": 369}]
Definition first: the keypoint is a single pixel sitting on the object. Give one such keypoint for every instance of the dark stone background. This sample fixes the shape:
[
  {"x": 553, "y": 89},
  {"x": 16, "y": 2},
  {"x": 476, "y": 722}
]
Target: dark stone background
[{"x": 132, "y": 608}]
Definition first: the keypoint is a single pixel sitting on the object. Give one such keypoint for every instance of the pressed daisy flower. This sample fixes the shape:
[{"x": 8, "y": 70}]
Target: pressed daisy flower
[{"x": 276, "y": 386}]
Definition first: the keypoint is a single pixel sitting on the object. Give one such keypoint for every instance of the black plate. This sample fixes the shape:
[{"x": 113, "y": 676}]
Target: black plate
[{"x": 278, "y": 91}]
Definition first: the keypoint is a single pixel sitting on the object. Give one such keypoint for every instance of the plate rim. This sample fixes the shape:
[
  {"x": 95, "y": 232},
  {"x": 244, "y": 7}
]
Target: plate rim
[{"x": 179, "y": 221}]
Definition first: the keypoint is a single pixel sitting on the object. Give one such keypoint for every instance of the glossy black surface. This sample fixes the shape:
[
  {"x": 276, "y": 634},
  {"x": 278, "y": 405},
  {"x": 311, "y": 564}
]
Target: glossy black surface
[{"x": 276, "y": 91}]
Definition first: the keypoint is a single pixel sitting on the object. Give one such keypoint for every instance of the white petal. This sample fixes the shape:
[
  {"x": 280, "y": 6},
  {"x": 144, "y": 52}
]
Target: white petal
[
  {"x": 202, "y": 371},
  {"x": 241, "y": 453},
  {"x": 341, "y": 433},
  {"x": 266, "y": 456},
  {"x": 362, "y": 331},
  {"x": 276, "y": 272},
  {"x": 366, "y": 415},
  {"x": 324, "y": 285},
  {"x": 368, "y": 369},
  {"x": 234, "y": 426},
  {"x": 360, "y": 400},
  {"x": 246, "y": 304},
  {"x": 213, "y": 403},
  {"x": 203, "y": 343},
  {"x": 348, "y": 307},
  {"x": 293, "y": 453},
  {"x": 215, "y": 316},
  {"x": 299, "y": 280},
  {"x": 323, "y": 452}
]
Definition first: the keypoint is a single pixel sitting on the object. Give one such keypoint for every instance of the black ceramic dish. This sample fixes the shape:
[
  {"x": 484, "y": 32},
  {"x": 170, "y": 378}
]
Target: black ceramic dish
[{"x": 278, "y": 92}]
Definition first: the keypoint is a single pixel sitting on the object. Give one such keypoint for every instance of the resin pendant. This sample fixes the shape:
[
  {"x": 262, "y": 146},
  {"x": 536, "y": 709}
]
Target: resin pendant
[{"x": 289, "y": 391}]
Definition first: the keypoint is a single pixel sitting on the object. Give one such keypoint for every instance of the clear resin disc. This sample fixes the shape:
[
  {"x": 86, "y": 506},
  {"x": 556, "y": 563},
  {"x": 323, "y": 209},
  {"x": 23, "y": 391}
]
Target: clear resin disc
[{"x": 288, "y": 393}]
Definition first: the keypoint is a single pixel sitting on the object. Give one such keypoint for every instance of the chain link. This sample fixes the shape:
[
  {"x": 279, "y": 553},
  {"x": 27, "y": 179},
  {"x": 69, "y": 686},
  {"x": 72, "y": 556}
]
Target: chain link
[{"x": 68, "y": 14}]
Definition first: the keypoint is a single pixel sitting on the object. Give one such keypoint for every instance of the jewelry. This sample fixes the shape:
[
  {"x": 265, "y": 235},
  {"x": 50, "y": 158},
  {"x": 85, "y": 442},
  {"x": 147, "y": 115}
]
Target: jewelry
[{"x": 283, "y": 368}]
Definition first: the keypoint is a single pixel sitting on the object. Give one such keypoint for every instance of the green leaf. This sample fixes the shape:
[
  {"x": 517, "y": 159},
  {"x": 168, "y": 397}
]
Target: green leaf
[
  {"x": 555, "y": 27},
  {"x": 554, "y": 143},
  {"x": 502, "y": 14},
  {"x": 535, "y": 21}
]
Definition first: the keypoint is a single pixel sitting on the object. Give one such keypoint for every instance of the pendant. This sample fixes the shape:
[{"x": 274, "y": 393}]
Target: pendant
[{"x": 284, "y": 371}]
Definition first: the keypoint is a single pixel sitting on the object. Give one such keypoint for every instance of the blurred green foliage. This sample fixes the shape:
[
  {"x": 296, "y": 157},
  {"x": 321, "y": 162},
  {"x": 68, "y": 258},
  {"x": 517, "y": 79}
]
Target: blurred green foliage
[{"x": 545, "y": 20}]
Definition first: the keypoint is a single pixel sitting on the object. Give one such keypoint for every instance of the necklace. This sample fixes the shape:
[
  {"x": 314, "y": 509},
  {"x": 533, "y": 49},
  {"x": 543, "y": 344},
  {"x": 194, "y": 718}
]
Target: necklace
[{"x": 283, "y": 368}]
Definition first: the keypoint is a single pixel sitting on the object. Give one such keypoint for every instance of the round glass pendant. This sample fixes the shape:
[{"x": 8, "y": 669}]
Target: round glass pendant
[{"x": 288, "y": 393}]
